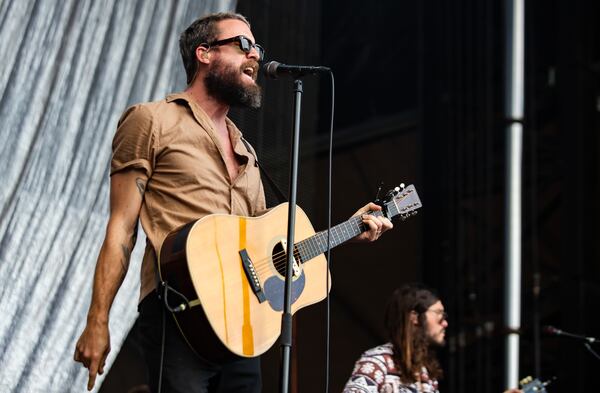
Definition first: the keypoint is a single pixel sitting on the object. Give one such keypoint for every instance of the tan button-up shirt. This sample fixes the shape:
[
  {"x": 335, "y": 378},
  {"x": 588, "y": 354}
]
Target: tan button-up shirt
[{"x": 176, "y": 144}]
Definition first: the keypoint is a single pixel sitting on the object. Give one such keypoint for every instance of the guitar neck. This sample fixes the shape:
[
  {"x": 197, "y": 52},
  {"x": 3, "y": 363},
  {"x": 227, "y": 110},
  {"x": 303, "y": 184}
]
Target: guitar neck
[{"x": 317, "y": 244}]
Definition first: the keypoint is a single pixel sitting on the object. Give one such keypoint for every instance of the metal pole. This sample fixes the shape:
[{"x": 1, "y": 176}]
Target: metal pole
[
  {"x": 515, "y": 42},
  {"x": 286, "y": 321}
]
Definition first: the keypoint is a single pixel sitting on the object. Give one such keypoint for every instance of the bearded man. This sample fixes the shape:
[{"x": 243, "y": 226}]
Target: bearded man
[
  {"x": 174, "y": 162},
  {"x": 415, "y": 323}
]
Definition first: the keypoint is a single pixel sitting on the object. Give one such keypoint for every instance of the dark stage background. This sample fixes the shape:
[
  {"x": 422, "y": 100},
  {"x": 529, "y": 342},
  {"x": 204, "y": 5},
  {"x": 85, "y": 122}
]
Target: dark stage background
[{"x": 419, "y": 99}]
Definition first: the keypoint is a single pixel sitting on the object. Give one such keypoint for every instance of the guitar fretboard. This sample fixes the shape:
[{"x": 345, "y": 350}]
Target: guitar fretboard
[{"x": 317, "y": 244}]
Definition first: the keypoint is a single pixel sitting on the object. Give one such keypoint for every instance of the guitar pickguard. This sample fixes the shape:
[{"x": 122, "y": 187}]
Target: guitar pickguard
[{"x": 274, "y": 289}]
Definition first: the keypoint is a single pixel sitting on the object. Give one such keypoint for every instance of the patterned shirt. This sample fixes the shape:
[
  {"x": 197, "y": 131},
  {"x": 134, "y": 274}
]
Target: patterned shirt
[{"x": 375, "y": 372}]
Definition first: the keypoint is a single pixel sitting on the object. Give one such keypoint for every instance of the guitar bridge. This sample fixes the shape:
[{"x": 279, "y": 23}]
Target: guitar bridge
[{"x": 251, "y": 276}]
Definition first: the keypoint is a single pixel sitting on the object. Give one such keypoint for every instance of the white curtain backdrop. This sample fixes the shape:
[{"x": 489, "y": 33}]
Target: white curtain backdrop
[{"x": 68, "y": 68}]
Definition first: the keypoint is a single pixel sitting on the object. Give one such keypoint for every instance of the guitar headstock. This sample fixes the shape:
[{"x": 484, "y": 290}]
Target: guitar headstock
[
  {"x": 533, "y": 385},
  {"x": 401, "y": 201}
]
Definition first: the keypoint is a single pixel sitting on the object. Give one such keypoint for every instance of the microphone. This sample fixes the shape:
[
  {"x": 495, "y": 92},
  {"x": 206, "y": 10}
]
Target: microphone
[
  {"x": 557, "y": 332},
  {"x": 273, "y": 69}
]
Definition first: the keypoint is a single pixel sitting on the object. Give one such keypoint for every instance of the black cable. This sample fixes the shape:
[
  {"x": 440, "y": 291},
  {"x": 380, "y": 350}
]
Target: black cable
[
  {"x": 328, "y": 316},
  {"x": 162, "y": 348},
  {"x": 182, "y": 306}
]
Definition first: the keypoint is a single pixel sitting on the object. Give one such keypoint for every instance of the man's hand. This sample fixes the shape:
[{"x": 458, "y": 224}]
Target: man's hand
[
  {"x": 92, "y": 349},
  {"x": 376, "y": 225}
]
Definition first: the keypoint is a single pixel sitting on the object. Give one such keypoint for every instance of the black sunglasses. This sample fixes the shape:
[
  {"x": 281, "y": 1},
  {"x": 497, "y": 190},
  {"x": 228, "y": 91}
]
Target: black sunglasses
[{"x": 244, "y": 44}]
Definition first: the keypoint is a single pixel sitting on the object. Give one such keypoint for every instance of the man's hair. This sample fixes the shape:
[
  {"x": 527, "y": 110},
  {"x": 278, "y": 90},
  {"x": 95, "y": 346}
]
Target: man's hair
[
  {"x": 410, "y": 341},
  {"x": 201, "y": 31}
]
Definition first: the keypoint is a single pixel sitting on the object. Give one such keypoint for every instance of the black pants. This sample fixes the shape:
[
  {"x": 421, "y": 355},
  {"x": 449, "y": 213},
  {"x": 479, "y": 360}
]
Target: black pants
[{"x": 183, "y": 371}]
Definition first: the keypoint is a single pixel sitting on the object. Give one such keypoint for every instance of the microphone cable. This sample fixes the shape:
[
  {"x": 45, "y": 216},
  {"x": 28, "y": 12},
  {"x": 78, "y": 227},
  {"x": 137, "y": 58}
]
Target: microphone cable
[{"x": 329, "y": 177}]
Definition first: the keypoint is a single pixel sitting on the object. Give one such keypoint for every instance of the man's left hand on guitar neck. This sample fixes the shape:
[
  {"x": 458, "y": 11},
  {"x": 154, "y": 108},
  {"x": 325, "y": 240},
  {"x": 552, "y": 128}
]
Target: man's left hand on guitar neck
[{"x": 377, "y": 225}]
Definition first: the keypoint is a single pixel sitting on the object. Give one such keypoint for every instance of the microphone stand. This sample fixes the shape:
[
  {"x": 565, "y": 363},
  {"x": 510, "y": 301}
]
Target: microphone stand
[
  {"x": 589, "y": 348},
  {"x": 587, "y": 340},
  {"x": 286, "y": 320}
]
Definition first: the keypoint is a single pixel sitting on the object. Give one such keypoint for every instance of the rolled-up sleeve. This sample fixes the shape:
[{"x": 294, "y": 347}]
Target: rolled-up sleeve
[{"x": 134, "y": 142}]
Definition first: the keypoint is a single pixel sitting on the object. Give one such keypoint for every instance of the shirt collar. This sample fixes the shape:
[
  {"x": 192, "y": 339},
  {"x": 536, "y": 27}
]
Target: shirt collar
[{"x": 204, "y": 120}]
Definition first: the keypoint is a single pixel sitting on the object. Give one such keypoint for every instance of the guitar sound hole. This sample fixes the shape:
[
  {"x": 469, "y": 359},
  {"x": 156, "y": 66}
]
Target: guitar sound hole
[{"x": 279, "y": 260}]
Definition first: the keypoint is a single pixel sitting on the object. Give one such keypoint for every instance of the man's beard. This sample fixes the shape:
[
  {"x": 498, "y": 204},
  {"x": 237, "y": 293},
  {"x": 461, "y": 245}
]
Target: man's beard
[
  {"x": 223, "y": 82},
  {"x": 435, "y": 343}
]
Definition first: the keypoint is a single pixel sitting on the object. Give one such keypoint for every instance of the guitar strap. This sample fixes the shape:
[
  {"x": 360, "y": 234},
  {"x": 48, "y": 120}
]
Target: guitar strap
[{"x": 263, "y": 171}]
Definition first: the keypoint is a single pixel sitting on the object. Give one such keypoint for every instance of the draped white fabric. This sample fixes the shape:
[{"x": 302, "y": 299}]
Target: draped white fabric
[{"x": 68, "y": 68}]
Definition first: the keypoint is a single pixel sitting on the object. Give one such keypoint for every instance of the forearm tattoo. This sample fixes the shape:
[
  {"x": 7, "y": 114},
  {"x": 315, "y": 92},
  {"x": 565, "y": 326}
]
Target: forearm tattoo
[
  {"x": 141, "y": 185},
  {"x": 126, "y": 255},
  {"x": 134, "y": 235},
  {"x": 128, "y": 248}
]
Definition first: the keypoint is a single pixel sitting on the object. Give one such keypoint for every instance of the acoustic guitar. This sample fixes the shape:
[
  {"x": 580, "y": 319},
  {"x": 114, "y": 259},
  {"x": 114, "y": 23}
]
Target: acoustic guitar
[{"x": 225, "y": 274}]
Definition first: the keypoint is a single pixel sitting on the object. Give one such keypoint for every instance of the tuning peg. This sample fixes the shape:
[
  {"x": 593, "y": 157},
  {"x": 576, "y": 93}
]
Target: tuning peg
[{"x": 525, "y": 380}]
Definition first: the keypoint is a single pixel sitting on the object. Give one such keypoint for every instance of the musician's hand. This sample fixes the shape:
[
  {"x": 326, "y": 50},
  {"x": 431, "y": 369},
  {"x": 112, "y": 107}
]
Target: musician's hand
[
  {"x": 376, "y": 225},
  {"x": 513, "y": 391},
  {"x": 92, "y": 349}
]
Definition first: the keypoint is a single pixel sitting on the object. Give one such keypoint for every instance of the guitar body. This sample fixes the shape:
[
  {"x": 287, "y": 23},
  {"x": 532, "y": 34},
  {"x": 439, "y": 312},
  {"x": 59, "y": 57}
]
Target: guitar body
[{"x": 227, "y": 318}]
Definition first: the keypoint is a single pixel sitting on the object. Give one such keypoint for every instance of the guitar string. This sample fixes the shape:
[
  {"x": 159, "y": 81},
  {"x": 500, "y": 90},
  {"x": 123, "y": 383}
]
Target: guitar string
[{"x": 279, "y": 259}]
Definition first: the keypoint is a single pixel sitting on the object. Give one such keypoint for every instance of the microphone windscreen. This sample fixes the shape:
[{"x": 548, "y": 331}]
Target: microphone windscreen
[{"x": 270, "y": 69}]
